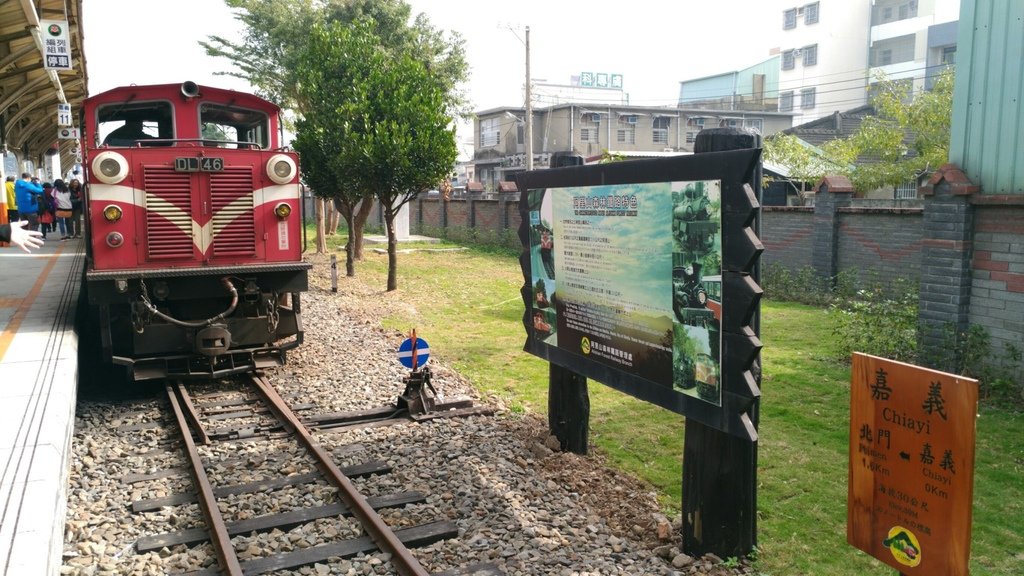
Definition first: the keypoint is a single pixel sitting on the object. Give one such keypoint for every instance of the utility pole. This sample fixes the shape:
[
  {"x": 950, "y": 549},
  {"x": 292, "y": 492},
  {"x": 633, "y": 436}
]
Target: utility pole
[{"x": 529, "y": 107}]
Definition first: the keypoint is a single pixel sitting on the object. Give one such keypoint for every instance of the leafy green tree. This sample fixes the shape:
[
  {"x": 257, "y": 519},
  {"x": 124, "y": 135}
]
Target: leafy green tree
[
  {"x": 276, "y": 37},
  {"x": 907, "y": 136},
  {"x": 805, "y": 163},
  {"x": 377, "y": 120},
  {"x": 276, "y": 33}
]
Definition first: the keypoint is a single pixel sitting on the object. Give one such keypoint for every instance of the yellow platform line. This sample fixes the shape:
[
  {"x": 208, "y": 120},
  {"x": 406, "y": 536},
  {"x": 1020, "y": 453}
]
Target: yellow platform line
[{"x": 12, "y": 327}]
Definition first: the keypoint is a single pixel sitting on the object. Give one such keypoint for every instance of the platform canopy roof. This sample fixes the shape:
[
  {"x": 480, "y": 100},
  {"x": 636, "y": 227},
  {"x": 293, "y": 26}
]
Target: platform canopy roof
[{"x": 29, "y": 93}]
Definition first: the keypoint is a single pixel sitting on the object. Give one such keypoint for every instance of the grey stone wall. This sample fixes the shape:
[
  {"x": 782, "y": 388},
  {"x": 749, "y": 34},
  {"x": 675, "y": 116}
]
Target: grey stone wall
[
  {"x": 997, "y": 283},
  {"x": 786, "y": 233},
  {"x": 880, "y": 244}
]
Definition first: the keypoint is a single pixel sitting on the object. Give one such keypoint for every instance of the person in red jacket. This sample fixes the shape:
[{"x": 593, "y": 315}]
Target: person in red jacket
[{"x": 16, "y": 234}]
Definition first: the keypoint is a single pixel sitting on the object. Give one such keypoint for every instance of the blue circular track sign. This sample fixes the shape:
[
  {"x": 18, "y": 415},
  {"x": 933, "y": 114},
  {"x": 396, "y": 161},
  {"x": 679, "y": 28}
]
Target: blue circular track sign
[{"x": 405, "y": 353}]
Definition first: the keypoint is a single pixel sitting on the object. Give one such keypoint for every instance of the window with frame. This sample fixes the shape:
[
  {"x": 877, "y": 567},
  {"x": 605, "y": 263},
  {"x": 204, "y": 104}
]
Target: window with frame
[
  {"x": 691, "y": 137},
  {"x": 626, "y": 136},
  {"x": 809, "y": 55},
  {"x": 490, "y": 132},
  {"x": 589, "y": 134},
  {"x": 659, "y": 131},
  {"x": 789, "y": 19},
  {"x": 786, "y": 102},
  {"x": 754, "y": 123},
  {"x": 232, "y": 127},
  {"x": 128, "y": 123},
  {"x": 811, "y": 13},
  {"x": 789, "y": 59},
  {"x": 807, "y": 97},
  {"x": 949, "y": 55}
]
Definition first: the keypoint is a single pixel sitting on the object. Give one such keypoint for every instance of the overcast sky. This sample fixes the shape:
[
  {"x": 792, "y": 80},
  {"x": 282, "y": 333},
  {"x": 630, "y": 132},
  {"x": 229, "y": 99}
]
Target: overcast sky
[{"x": 653, "y": 44}]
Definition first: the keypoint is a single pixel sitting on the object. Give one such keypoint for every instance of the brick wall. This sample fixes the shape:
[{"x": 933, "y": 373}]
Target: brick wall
[
  {"x": 459, "y": 215},
  {"x": 430, "y": 213},
  {"x": 487, "y": 215},
  {"x": 786, "y": 234},
  {"x": 879, "y": 243},
  {"x": 997, "y": 283}
]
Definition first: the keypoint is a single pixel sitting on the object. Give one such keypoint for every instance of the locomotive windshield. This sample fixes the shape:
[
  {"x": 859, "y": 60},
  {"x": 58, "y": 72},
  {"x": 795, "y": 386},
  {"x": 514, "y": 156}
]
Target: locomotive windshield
[
  {"x": 131, "y": 123},
  {"x": 232, "y": 127}
]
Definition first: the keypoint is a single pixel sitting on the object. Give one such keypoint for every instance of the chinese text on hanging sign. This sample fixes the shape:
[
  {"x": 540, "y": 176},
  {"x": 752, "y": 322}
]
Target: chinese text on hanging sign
[{"x": 56, "y": 45}]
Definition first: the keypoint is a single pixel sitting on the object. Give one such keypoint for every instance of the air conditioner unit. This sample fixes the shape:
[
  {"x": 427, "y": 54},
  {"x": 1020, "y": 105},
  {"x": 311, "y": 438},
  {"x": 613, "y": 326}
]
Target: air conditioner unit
[
  {"x": 595, "y": 117},
  {"x": 631, "y": 119}
]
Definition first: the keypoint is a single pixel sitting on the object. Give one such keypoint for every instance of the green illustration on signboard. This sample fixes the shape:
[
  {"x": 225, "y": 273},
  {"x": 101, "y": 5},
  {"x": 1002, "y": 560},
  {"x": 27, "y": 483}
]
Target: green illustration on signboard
[{"x": 629, "y": 275}]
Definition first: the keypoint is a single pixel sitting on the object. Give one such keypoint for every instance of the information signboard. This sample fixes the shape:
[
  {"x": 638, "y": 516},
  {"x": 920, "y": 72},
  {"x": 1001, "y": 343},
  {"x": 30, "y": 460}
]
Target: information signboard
[
  {"x": 911, "y": 472},
  {"x": 638, "y": 277}
]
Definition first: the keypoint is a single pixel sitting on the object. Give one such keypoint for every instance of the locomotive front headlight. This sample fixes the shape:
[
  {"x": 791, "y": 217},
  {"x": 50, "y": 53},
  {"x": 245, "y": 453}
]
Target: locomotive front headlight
[
  {"x": 281, "y": 168},
  {"x": 112, "y": 213},
  {"x": 110, "y": 167},
  {"x": 283, "y": 210}
]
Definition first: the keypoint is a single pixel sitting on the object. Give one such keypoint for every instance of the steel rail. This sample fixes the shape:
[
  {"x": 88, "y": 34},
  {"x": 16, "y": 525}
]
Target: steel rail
[
  {"x": 191, "y": 415},
  {"x": 378, "y": 530},
  {"x": 207, "y": 501}
]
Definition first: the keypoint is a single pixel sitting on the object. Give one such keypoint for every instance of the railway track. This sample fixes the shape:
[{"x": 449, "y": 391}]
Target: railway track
[{"x": 212, "y": 425}]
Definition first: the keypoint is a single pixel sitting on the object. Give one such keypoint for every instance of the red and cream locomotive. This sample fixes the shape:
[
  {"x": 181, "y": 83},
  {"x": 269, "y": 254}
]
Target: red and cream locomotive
[{"x": 194, "y": 228}]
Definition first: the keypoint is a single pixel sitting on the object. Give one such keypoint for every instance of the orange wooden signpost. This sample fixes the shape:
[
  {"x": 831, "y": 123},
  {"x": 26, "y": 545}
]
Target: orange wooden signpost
[{"x": 911, "y": 476}]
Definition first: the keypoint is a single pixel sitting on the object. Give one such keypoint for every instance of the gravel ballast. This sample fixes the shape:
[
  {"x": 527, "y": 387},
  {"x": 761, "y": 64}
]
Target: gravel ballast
[{"x": 517, "y": 503}]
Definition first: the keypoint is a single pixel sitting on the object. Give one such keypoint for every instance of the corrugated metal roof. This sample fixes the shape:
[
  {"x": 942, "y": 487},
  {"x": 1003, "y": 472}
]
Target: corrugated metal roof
[{"x": 986, "y": 139}]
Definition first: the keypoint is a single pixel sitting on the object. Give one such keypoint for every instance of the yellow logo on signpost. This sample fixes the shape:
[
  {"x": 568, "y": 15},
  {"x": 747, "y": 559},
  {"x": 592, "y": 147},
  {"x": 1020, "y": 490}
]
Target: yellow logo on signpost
[
  {"x": 585, "y": 345},
  {"x": 904, "y": 546}
]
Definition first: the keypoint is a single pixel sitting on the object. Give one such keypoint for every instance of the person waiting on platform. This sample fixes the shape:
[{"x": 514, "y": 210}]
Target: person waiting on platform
[
  {"x": 28, "y": 191},
  {"x": 16, "y": 234},
  {"x": 127, "y": 135},
  {"x": 12, "y": 202}
]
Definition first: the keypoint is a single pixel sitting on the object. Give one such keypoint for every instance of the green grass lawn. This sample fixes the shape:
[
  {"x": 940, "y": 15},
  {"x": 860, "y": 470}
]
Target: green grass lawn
[{"x": 467, "y": 305}]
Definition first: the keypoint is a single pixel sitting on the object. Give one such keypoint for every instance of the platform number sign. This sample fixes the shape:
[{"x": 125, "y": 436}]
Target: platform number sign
[
  {"x": 413, "y": 353},
  {"x": 64, "y": 115}
]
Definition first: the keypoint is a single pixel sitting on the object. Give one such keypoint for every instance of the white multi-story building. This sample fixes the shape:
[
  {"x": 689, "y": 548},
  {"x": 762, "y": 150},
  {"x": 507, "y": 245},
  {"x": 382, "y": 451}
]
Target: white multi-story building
[{"x": 833, "y": 50}]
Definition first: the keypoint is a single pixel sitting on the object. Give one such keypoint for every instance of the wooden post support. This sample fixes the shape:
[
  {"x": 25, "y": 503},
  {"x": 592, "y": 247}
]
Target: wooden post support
[
  {"x": 568, "y": 408},
  {"x": 334, "y": 272},
  {"x": 720, "y": 469}
]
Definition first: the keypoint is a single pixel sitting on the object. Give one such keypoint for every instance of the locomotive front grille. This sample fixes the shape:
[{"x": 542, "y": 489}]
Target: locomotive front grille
[
  {"x": 234, "y": 225},
  {"x": 170, "y": 201},
  {"x": 168, "y": 213}
]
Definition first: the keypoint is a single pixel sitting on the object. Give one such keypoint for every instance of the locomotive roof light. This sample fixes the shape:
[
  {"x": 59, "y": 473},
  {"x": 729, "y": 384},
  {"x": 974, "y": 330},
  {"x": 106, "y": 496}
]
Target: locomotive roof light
[
  {"x": 283, "y": 210},
  {"x": 189, "y": 89},
  {"x": 281, "y": 168},
  {"x": 110, "y": 167},
  {"x": 112, "y": 213}
]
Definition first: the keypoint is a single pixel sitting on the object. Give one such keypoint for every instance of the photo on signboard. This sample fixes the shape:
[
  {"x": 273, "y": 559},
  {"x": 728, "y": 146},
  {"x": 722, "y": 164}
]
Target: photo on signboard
[
  {"x": 696, "y": 289},
  {"x": 543, "y": 266}
]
